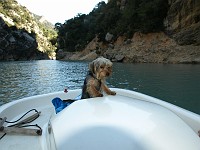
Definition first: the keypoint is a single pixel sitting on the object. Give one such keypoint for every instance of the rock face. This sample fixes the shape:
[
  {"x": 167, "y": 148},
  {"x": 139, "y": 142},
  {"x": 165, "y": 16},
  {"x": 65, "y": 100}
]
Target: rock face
[
  {"x": 153, "y": 48},
  {"x": 22, "y": 35},
  {"x": 17, "y": 44},
  {"x": 180, "y": 43},
  {"x": 183, "y": 21}
]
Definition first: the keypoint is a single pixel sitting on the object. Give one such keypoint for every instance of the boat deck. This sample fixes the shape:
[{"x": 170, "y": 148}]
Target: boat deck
[
  {"x": 23, "y": 141},
  {"x": 116, "y": 121}
]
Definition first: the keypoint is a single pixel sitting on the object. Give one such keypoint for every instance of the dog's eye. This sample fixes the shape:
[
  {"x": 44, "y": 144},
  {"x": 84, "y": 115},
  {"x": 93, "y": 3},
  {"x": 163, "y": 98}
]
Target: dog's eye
[{"x": 101, "y": 67}]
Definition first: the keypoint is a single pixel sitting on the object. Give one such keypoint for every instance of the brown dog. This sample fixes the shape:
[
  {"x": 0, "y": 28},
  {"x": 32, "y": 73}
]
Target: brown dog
[{"x": 94, "y": 82}]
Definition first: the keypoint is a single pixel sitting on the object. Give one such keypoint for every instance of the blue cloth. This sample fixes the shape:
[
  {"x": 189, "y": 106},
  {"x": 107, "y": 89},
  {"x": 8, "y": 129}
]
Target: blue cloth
[{"x": 59, "y": 104}]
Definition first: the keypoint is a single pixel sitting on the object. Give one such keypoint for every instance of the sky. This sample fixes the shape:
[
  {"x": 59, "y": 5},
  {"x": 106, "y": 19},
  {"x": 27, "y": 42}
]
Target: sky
[{"x": 59, "y": 10}]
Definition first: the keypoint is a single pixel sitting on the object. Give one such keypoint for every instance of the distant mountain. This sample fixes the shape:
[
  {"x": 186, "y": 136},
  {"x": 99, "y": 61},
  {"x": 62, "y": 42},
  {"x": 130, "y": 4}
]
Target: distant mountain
[{"x": 43, "y": 20}]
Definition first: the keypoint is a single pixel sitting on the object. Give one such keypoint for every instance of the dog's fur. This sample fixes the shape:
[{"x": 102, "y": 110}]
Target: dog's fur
[{"x": 94, "y": 83}]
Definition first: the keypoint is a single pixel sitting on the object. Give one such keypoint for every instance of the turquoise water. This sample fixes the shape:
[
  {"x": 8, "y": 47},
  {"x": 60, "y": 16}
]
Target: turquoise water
[{"x": 178, "y": 84}]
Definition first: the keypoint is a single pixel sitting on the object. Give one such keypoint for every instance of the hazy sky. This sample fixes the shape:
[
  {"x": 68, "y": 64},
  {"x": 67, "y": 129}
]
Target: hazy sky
[{"x": 59, "y": 10}]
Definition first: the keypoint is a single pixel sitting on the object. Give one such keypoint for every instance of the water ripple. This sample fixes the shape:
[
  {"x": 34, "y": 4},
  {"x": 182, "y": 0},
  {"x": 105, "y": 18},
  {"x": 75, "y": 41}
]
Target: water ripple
[
  {"x": 177, "y": 84},
  {"x": 22, "y": 79}
]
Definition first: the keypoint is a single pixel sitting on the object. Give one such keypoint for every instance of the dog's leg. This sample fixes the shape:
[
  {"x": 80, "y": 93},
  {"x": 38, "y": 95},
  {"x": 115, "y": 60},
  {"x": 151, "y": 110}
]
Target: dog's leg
[{"x": 107, "y": 90}]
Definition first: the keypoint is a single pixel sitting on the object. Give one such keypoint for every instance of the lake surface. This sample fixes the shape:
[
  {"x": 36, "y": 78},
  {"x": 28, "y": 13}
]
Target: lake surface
[{"x": 178, "y": 84}]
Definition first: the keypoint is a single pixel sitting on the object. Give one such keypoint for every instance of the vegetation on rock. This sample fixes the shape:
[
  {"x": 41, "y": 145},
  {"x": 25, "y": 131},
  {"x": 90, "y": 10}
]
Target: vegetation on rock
[
  {"x": 118, "y": 18},
  {"x": 21, "y": 18},
  {"x": 156, "y": 31}
]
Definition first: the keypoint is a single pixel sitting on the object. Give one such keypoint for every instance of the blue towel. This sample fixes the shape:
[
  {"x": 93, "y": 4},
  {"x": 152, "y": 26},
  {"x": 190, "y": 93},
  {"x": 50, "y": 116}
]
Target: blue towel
[{"x": 59, "y": 104}]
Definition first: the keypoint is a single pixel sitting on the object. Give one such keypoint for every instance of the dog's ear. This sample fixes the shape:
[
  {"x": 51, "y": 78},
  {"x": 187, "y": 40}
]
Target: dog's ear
[{"x": 92, "y": 67}]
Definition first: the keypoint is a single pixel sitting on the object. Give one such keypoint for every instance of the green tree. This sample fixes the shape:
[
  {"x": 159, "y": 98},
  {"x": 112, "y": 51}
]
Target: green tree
[{"x": 137, "y": 15}]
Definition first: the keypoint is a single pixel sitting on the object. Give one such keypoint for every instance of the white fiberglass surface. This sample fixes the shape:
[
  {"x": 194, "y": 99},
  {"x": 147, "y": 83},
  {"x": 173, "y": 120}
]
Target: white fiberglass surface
[{"x": 119, "y": 122}]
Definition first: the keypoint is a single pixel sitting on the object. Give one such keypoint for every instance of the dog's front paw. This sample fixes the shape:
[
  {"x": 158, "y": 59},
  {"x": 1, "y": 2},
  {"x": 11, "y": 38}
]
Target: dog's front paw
[
  {"x": 100, "y": 95},
  {"x": 112, "y": 93}
]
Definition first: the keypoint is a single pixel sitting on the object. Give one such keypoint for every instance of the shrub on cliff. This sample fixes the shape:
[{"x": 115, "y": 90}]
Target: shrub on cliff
[{"x": 117, "y": 17}]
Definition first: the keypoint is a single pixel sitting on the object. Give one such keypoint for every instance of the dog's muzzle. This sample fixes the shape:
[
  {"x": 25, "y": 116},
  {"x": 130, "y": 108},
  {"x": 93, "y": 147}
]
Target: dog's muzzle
[{"x": 107, "y": 74}]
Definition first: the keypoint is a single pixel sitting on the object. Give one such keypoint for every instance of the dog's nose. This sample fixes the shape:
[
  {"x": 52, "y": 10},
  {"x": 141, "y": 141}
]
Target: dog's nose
[{"x": 107, "y": 74}]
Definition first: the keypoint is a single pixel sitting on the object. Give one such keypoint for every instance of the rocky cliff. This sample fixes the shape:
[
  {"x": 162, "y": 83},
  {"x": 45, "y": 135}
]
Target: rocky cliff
[
  {"x": 183, "y": 21},
  {"x": 18, "y": 44},
  {"x": 179, "y": 43},
  {"x": 22, "y": 34}
]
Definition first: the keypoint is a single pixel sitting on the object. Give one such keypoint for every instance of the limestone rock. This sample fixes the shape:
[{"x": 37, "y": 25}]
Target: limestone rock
[
  {"x": 183, "y": 21},
  {"x": 179, "y": 43},
  {"x": 108, "y": 37}
]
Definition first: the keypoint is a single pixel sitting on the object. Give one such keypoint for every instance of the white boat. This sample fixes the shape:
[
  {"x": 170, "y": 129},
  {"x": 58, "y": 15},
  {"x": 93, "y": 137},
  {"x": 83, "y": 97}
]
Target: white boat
[{"x": 127, "y": 121}]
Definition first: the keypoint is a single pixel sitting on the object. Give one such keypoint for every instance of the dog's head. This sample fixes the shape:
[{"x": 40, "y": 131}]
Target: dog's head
[{"x": 101, "y": 67}]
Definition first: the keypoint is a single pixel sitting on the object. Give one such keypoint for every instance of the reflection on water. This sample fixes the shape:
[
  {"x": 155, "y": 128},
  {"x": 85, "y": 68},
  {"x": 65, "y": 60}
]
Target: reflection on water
[
  {"x": 177, "y": 84},
  {"x": 22, "y": 79}
]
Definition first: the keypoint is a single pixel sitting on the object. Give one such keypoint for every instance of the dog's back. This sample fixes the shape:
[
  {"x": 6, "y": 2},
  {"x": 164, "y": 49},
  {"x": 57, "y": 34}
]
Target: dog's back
[{"x": 85, "y": 93}]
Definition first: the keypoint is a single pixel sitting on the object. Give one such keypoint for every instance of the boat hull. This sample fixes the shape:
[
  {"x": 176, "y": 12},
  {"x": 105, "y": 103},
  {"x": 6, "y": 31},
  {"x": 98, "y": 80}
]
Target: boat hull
[{"x": 127, "y": 121}]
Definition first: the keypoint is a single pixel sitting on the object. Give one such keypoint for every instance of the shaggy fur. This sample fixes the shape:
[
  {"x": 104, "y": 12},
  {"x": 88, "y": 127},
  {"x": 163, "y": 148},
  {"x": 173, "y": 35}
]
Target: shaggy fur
[{"x": 94, "y": 83}]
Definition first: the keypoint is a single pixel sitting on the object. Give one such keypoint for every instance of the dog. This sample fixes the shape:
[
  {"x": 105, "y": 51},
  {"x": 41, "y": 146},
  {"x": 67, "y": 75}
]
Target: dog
[{"x": 94, "y": 83}]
